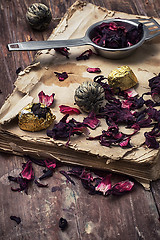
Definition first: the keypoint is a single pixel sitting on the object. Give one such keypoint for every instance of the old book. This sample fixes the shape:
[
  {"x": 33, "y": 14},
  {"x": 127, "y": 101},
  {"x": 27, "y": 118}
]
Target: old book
[{"x": 139, "y": 161}]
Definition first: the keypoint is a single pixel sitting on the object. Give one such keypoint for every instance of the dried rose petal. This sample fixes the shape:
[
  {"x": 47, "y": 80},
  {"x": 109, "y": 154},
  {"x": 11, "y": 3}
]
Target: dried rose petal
[
  {"x": 131, "y": 92},
  {"x": 85, "y": 55},
  {"x": 125, "y": 143},
  {"x": 40, "y": 184},
  {"x": 69, "y": 110},
  {"x": 65, "y": 129},
  {"x": 63, "y": 51},
  {"x": 93, "y": 70},
  {"x": 91, "y": 121},
  {"x": 27, "y": 172},
  {"x": 61, "y": 76},
  {"x": 47, "y": 174},
  {"x": 104, "y": 185},
  {"x": 67, "y": 176},
  {"x": 151, "y": 141},
  {"x": 23, "y": 184},
  {"x": 16, "y": 219},
  {"x": 121, "y": 188},
  {"x": 46, "y": 99},
  {"x": 50, "y": 163}
]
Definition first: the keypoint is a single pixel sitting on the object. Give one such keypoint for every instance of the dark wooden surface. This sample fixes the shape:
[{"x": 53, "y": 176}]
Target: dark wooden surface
[{"x": 90, "y": 217}]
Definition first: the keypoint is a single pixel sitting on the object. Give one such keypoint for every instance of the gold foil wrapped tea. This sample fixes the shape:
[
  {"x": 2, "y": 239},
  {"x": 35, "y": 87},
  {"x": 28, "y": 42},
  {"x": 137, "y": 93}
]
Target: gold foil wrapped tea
[
  {"x": 122, "y": 78},
  {"x": 35, "y": 117}
]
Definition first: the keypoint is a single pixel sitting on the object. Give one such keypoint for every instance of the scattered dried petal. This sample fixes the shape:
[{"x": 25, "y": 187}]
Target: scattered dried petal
[
  {"x": 61, "y": 76},
  {"x": 85, "y": 55},
  {"x": 93, "y": 70},
  {"x": 104, "y": 185},
  {"x": 91, "y": 121},
  {"x": 67, "y": 176},
  {"x": 16, "y": 219},
  {"x": 64, "y": 51},
  {"x": 27, "y": 172},
  {"x": 40, "y": 184},
  {"x": 69, "y": 110},
  {"x": 50, "y": 163},
  {"x": 63, "y": 224},
  {"x": 47, "y": 174},
  {"x": 121, "y": 188},
  {"x": 46, "y": 99}
]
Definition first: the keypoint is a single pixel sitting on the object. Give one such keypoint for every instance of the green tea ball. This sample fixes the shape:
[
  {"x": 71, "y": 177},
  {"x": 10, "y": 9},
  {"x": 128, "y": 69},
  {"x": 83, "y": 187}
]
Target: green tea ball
[{"x": 38, "y": 16}]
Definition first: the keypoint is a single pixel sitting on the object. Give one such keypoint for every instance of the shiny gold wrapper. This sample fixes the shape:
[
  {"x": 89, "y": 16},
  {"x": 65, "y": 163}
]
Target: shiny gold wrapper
[
  {"x": 122, "y": 78},
  {"x": 28, "y": 121}
]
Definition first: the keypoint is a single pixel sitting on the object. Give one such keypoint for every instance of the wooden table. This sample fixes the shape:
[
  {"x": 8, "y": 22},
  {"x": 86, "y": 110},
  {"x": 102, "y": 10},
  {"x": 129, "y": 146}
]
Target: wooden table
[{"x": 90, "y": 217}]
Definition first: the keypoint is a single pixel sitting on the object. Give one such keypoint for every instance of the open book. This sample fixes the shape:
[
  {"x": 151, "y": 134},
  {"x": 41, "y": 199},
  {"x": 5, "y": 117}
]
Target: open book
[{"x": 139, "y": 161}]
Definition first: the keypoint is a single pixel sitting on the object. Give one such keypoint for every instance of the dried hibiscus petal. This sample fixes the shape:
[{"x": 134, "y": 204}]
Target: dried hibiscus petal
[
  {"x": 85, "y": 55},
  {"x": 69, "y": 110},
  {"x": 64, "y": 51},
  {"x": 40, "y": 184},
  {"x": 93, "y": 70},
  {"x": 61, "y": 76},
  {"x": 91, "y": 121},
  {"x": 16, "y": 219},
  {"x": 121, "y": 188},
  {"x": 63, "y": 224},
  {"x": 151, "y": 141},
  {"x": 65, "y": 129},
  {"x": 47, "y": 174},
  {"x": 27, "y": 172},
  {"x": 154, "y": 84},
  {"x": 67, "y": 176},
  {"x": 104, "y": 185},
  {"x": 50, "y": 163},
  {"x": 23, "y": 184},
  {"x": 46, "y": 99},
  {"x": 115, "y": 35}
]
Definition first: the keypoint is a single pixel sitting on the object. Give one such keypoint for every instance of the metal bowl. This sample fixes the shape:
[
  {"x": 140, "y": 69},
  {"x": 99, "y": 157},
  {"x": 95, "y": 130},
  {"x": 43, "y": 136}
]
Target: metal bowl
[{"x": 113, "y": 53}]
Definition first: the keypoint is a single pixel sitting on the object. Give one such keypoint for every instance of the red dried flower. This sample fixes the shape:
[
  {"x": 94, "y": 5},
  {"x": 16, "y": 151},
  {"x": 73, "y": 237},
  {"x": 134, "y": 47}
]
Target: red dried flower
[
  {"x": 61, "y": 76},
  {"x": 69, "y": 110},
  {"x": 93, "y": 70},
  {"x": 46, "y": 99}
]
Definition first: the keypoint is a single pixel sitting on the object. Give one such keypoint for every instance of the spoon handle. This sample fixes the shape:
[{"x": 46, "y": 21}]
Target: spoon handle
[{"x": 41, "y": 45}]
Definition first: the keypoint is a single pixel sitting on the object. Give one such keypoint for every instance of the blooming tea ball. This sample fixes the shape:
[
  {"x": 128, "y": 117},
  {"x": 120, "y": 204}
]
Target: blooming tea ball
[
  {"x": 89, "y": 96},
  {"x": 38, "y": 16}
]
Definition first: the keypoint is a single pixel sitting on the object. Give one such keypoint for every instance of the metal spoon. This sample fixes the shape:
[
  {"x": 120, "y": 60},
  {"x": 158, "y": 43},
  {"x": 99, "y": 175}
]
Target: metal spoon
[{"x": 150, "y": 30}]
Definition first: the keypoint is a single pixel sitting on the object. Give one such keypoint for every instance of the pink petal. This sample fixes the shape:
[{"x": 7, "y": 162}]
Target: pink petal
[
  {"x": 50, "y": 164},
  {"x": 122, "y": 187},
  {"x": 91, "y": 121},
  {"x": 104, "y": 185},
  {"x": 45, "y": 99},
  {"x": 61, "y": 76},
  {"x": 125, "y": 143},
  {"x": 131, "y": 92},
  {"x": 69, "y": 110},
  {"x": 93, "y": 70},
  {"x": 27, "y": 172}
]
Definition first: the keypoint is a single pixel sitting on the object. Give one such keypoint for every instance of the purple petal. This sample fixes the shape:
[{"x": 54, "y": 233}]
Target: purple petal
[
  {"x": 16, "y": 219},
  {"x": 121, "y": 187},
  {"x": 67, "y": 176},
  {"x": 61, "y": 76},
  {"x": 91, "y": 121},
  {"x": 40, "y": 184},
  {"x": 104, "y": 185},
  {"x": 93, "y": 70}
]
